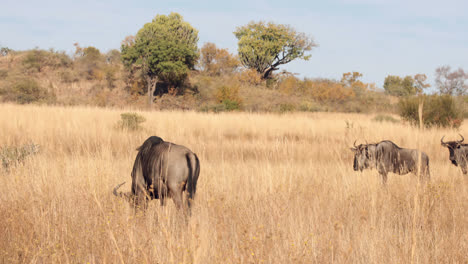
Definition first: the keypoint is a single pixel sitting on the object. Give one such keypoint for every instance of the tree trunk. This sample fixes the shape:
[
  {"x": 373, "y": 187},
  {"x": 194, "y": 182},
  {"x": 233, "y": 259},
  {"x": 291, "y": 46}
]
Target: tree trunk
[
  {"x": 267, "y": 73},
  {"x": 151, "y": 84}
]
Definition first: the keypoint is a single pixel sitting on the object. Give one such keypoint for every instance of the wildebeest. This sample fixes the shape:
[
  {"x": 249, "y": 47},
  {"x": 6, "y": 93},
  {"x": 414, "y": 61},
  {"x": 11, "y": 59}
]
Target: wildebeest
[
  {"x": 364, "y": 156},
  {"x": 163, "y": 169},
  {"x": 387, "y": 157},
  {"x": 458, "y": 152}
]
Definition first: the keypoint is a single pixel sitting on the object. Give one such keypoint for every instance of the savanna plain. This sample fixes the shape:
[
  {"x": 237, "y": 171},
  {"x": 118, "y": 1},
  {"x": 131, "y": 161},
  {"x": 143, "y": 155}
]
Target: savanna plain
[{"x": 272, "y": 189}]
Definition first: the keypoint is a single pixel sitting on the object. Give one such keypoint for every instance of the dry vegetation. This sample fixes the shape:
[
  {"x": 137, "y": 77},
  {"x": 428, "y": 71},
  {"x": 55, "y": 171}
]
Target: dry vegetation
[{"x": 273, "y": 189}]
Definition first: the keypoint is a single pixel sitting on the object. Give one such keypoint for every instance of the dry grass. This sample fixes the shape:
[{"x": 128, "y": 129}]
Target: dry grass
[{"x": 272, "y": 189}]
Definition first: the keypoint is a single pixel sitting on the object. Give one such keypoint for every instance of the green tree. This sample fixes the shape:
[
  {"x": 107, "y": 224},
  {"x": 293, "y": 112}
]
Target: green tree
[
  {"x": 265, "y": 46},
  {"x": 410, "y": 85},
  {"x": 164, "y": 49},
  {"x": 438, "y": 110},
  {"x": 395, "y": 85}
]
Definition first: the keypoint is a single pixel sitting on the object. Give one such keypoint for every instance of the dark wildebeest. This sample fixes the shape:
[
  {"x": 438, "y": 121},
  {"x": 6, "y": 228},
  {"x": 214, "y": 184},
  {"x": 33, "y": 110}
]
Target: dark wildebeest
[
  {"x": 458, "y": 153},
  {"x": 163, "y": 169},
  {"x": 387, "y": 157}
]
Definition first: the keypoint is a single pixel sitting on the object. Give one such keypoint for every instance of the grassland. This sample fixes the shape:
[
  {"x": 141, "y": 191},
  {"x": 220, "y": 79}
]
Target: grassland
[{"x": 272, "y": 189}]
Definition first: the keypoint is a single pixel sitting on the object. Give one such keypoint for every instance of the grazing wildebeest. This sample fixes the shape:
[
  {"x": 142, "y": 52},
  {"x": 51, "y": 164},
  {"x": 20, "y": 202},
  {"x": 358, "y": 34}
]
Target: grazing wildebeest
[
  {"x": 387, "y": 157},
  {"x": 162, "y": 169},
  {"x": 458, "y": 153}
]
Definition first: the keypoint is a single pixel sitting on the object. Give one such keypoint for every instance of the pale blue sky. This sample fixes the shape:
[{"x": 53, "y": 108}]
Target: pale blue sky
[{"x": 376, "y": 38}]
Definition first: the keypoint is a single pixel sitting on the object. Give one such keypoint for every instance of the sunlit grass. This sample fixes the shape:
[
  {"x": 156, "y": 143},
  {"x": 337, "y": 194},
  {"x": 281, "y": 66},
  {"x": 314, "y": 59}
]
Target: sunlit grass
[{"x": 272, "y": 189}]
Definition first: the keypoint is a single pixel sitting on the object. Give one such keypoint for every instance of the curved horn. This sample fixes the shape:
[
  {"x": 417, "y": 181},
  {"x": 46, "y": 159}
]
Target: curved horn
[
  {"x": 442, "y": 141},
  {"x": 460, "y": 141},
  {"x": 118, "y": 194},
  {"x": 354, "y": 144}
]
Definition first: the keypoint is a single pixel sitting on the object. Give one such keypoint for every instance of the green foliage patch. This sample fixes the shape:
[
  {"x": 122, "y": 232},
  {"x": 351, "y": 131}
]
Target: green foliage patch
[
  {"x": 438, "y": 110},
  {"x": 25, "y": 91},
  {"x": 385, "y": 118},
  {"x": 12, "y": 155},
  {"x": 130, "y": 121}
]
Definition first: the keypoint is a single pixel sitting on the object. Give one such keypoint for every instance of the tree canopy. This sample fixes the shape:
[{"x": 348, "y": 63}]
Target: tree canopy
[
  {"x": 164, "y": 49},
  {"x": 215, "y": 61},
  {"x": 451, "y": 82},
  {"x": 265, "y": 46},
  {"x": 409, "y": 85}
]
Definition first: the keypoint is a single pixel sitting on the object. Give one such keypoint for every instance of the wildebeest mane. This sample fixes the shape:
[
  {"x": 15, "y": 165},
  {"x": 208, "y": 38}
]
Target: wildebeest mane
[
  {"x": 147, "y": 155},
  {"x": 391, "y": 142}
]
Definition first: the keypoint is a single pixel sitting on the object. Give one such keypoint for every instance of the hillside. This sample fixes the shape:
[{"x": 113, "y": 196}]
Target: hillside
[{"x": 99, "y": 79}]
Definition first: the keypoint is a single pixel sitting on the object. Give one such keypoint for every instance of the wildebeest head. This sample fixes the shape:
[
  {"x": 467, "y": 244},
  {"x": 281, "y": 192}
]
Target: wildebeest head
[
  {"x": 456, "y": 152},
  {"x": 362, "y": 156}
]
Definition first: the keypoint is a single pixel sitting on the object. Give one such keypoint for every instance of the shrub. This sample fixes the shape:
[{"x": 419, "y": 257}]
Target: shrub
[
  {"x": 26, "y": 91},
  {"x": 438, "y": 110},
  {"x": 4, "y": 51},
  {"x": 385, "y": 118},
  {"x": 230, "y": 105},
  {"x": 37, "y": 59},
  {"x": 328, "y": 91},
  {"x": 229, "y": 94},
  {"x": 250, "y": 76},
  {"x": 288, "y": 85},
  {"x": 68, "y": 76},
  {"x": 14, "y": 155},
  {"x": 309, "y": 107},
  {"x": 110, "y": 75},
  {"x": 130, "y": 121},
  {"x": 283, "y": 108}
]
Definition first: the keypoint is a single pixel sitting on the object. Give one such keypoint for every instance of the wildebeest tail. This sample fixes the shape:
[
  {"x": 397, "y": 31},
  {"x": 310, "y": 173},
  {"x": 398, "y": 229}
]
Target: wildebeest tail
[{"x": 194, "y": 171}]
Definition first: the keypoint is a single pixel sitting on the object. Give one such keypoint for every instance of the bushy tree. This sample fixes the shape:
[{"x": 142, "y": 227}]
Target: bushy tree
[
  {"x": 451, "y": 82},
  {"x": 351, "y": 80},
  {"x": 215, "y": 61},
  {"x": 164, "y": 49},
  {"x": 265, "y": 46},
  {"x": 37, "y": 59},
  {"x": 398, "y": 86},
  {"x": 4, "y": 51},
  {"x": 438, "y": 110},
  {"x": 25, "y": 91}
]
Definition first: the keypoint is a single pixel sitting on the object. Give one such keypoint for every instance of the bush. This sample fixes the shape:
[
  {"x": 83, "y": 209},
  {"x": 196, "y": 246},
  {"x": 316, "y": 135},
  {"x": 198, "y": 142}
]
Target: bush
[
  {"x": 14, "y": 155},
  {"x": 68, "y": 76},
  {"x": 37, "y": 60},
  {"x": 309, "y": 107},
  {"x": 26, "y": 91},
  {"x": 230, "y": 105},
  {"x": 283, "y": 108},
  {"x": 438, "y": 110},
  {"x": 228, "y": 94},
  {"x": 130, "y": 121},
  {"x": 385, "y": 118},
  {"x": 250, "y": 76}
]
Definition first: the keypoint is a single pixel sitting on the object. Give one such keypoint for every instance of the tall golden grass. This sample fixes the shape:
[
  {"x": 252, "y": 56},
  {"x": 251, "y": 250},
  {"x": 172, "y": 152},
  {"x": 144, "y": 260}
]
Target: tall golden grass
[{"x": 272, "y": 189}]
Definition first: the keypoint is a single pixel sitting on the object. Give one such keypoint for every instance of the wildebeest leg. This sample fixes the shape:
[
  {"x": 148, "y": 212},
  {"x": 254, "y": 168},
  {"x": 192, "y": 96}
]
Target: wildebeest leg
[
  {"x": 140, "y": 200},
  {"x": 177, "y": 198},
  {"x": 176, "y": 191}
]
